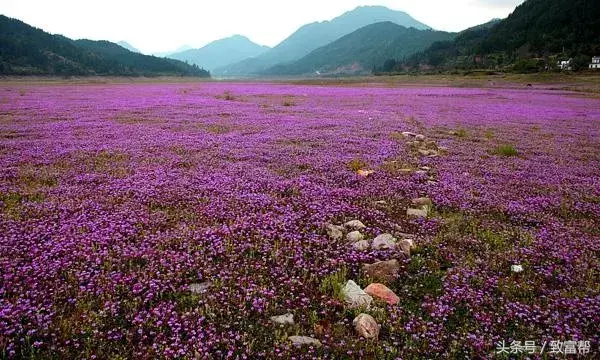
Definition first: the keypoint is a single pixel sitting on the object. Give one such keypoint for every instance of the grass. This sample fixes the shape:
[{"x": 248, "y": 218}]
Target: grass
[
  {"x": 356, "y": 164},
  {"x": 506, "y": 150},
  {"x": 461, "y": 133},
  {"x": 333, "y": 283}
]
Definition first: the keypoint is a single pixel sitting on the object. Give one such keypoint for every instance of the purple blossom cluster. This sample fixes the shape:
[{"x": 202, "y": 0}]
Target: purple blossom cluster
[{"x": 115, "y": 198}]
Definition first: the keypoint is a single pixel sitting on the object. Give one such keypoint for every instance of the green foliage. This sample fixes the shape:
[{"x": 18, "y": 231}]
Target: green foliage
[
  {"x": 369, "y": 46},
  {"x": 333, "y": 283},
  {"x": 537, "y": 29},
  {"x": 506, "y": 150},
  {"x": 25, "y": 50},
  {"x": 356, "y": 164},
  {"x": 527, "y": 66}
]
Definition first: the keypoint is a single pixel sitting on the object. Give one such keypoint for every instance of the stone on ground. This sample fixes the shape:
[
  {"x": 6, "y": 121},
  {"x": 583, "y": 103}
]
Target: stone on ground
[
  {"x": 406, "y": 245},
  {"x": 354, "y": 236},
  {"x": 285, "y": 319},
  {"x": 304, "y": 340},
  {"x": 334, "y": 232},
  {"x": 366, "y": 326},
  {"x": 361, "y": 245},
  {"x": 420, "y": 213},
  {"x": 382, "y": 293},
  {"x": 354, "y": 225},
  {"x": 384, "y": 242},
  {"x": 354, "y": 296},
  {"x": 382, "y": 271}
]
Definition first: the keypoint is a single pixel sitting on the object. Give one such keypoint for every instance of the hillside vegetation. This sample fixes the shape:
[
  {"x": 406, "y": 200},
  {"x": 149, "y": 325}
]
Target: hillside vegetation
[{"x": 25, "y": 50}]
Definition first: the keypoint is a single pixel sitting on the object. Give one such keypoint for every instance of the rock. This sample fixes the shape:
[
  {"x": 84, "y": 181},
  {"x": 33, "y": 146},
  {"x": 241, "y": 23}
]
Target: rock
[
  {"x": 406, "y": 245},
  {"x": 408, "y": 134},
  {"x": 516, "y": 268},
  {"x": 366, "y": 326},
  {"x": 380, "y": 202},
  {"x": 199, "y": 288},
  {"x": 383, "y": 271},
  {"x": 365, "y": 173},
  {"x": 384, "y": 242},
  {"x": 354, "y": 296},
  {"x": 334, "y": 232},
  {"x": 354, "y": 236},
  {"x": 431, "y": 153},
  {"x": 420, "y": 137},
  {"x": 286, "y": 319},
  {"x": 426, "y": 168},
  {"x": 304, "y": 340},
  {"x": 421, "y": 201},
  {"x": 361, "y": 245},
  {"x": 354, "y": 225},
  {"x": 382, "y": 293},
  {"x": 421, "y": 172},
  {"x": 420, "y": 213}
]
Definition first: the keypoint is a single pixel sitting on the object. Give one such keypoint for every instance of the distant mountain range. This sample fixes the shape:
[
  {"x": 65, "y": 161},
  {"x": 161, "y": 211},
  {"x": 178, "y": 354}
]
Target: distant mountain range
[
  {"x": 25, "y": 50},
  {"x": 178, "y": 50},
  {"x": 221, "y": 52},
  {"x": 361, "y": 50},
  {"x": 128, "y": 46},
  {"x": 315, "y": 35}
]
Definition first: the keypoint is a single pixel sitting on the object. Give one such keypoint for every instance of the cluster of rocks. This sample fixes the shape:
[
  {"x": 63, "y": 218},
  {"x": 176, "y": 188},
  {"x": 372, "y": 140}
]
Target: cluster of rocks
[
  {"x": 351, "y": 230},
  {"x": 420, "y": 208},
  {"x": 423, "y": 146},
  {"x": 384, "y": 272}
]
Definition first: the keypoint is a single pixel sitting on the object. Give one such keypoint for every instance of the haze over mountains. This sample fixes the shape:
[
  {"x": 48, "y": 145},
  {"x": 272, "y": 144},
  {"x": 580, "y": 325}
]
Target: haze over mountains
[
  {"x": 312, "y": 36},
  {"x": 361, "y": 50},
  {"x": 25, "y": 50},
  {"x": 221, "y": 52},
  {"x": 355, "y": 42}
]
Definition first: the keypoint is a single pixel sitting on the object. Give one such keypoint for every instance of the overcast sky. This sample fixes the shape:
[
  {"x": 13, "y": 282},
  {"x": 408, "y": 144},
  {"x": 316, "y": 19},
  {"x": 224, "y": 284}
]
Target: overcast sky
[{"x": 154, "y": 26}]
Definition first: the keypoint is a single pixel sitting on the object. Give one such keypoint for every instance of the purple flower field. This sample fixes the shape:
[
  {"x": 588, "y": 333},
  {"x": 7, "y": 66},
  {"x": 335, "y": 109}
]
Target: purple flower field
[{"x": 116, "y": 198}]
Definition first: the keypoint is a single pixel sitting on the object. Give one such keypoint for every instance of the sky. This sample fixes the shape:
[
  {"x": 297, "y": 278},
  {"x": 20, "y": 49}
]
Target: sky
[{"x": 159, "y": 26}]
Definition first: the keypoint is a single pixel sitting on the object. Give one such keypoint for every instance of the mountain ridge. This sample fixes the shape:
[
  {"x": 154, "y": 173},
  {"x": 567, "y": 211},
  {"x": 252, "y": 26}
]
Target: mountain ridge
[
  {"x": 27, "y": 50},
  {"x": 314, "y": 35},
  {"x": 221, "y": 52},
  {"x": 362, "y": 49}
]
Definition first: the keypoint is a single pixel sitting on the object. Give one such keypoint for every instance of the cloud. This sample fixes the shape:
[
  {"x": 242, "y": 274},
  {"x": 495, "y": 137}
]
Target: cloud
[{"x": 497, "y": 4}]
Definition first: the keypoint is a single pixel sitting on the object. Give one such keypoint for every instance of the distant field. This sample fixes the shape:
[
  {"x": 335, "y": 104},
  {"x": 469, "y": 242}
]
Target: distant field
[{"x": 170, "y": 218}]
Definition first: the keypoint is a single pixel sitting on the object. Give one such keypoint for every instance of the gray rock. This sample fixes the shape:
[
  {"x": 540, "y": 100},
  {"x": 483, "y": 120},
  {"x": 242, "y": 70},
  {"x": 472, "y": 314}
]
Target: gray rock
[
  {"x": 384, "y": 242},
  {"x": 354, "y": 236},
  {"x": 334, "y": 232},
  {"x": 285, "y": 319},
  {"x": 382, "y": 271},
  {"x": 422, "y": 201},
  {"x": 354, "y": 225},
  {"x": 304, "y": 340},
  {"x": 361, "y": 245},
  {"x": 406, "y": 245},
  {"x": 408, "y": 134},
  {"x": 199, "y": 288},
  {"x": 420, "y": 137},
  {"x": 366, "y": 326},
  {"x": 354, "y": 296},
  {"x": 420, "y": 213}
]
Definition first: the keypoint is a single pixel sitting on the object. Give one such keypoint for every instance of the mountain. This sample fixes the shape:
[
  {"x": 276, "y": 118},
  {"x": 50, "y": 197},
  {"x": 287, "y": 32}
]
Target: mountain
[
  {"x": 25, "y": 50},
  {"x": 361, "y": 50},
  {"x": 535, "y": 29},
  {"x": 128, "y": 46},
  {"x": 312, "y": 36},
  {"x": 221, "y": 52},
  {"x": 178, "y": 50}
]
